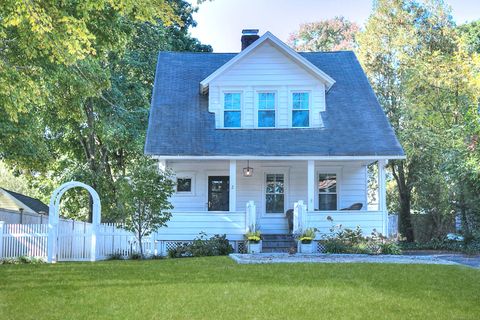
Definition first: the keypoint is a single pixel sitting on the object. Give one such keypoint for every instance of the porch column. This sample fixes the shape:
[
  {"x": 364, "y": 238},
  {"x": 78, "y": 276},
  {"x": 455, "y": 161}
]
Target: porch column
[
  {"x": 311, "y": 185},
  {"x": 162, "y": 165},
  {"x": 382, "y": 194},
  {"x": 233, "y": 186}
]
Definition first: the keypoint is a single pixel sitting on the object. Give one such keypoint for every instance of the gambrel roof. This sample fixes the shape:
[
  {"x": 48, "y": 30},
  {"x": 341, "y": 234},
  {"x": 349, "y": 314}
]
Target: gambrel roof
[{"x": 180, "y": 124}]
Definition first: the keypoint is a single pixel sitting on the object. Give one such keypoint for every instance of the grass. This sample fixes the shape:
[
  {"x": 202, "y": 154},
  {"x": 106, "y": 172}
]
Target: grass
[{"x": 217, "y": 288}]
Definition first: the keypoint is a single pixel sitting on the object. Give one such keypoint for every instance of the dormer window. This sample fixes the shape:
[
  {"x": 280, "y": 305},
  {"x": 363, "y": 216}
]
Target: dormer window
[
  {"x": 266, "y": 109},
  {"x": 300, "y": 109},
  {"x": 232, "y": 106}
]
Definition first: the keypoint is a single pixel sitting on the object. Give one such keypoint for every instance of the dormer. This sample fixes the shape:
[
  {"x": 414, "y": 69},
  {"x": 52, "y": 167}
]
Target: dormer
[{"x": 267, "y": 85}]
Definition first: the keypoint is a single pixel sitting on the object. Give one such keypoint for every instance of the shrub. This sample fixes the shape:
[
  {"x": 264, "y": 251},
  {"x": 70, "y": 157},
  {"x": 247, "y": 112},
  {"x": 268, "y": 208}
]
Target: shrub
[
  {"x": 180, "y": 251},
  {"x": 390, "y": 247},
  {"x": 115, "y": 256},
  {"x": 135, "y": 256},
  {"x": 23, "y": 260},
  {"x": 353, "y": 241},
  {"x": 218, "y": 245}
]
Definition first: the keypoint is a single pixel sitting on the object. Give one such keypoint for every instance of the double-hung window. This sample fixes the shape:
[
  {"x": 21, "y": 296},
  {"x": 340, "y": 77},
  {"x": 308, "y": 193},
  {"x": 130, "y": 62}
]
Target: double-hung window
[
  {"x": 266, "y": 110},
  {"x": 300, "y": 109},
  {"x": 232, "y": 106},
  {"x": 327, "y": 191},
  {"x": 275, "y": 193}
]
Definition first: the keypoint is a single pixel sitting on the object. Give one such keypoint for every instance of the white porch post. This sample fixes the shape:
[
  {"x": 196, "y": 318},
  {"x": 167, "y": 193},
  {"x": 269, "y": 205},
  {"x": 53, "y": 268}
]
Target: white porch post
[
  {"x": 311, "y": 185},
  {"x": 233, "y": 186},
  {"x": 162, "y": 165},
  {"x": 382, "y": 194}
]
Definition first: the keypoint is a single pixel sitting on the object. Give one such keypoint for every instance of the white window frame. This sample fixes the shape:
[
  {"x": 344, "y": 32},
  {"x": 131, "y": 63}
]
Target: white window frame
[
  {"x": 290, "y": 105},
  {"x": 222, "y": 103},
  {"x": 291, "y": 109},
  {"x": 257, "y": 91},
  {"x": 185, "y": 175},
  {"x": 286, "y": 177},
  {"x": 325, "y": 170}
]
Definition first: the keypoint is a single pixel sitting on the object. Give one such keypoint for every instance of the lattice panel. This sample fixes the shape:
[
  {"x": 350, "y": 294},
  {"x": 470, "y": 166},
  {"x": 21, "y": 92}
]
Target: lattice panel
[
  {"x": 241, "y": 247},
  {"x": 320, "y": 247},
  {"x": 169, "y": 245}
]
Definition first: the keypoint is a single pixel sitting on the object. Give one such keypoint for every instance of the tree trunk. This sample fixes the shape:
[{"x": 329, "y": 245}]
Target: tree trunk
[{"x": 405, "y": 226}]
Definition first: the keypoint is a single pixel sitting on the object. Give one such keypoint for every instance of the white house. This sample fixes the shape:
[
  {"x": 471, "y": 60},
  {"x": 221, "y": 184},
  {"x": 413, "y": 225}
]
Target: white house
[{"x": 254, "y": 134}]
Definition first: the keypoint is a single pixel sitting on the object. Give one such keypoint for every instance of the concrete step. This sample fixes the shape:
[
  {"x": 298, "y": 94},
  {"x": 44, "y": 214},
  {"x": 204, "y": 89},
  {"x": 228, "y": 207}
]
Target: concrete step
[
  {"x": 278, "y": 243},
  {"x": 280, "y": 237}
]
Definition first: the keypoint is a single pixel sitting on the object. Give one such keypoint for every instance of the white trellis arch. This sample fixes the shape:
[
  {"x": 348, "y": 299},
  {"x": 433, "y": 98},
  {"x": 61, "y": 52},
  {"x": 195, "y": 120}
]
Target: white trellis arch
[{"x": 53, "y": 218}]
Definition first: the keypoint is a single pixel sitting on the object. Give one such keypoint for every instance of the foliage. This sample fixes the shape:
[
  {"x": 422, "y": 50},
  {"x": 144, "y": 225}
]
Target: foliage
[
  {"x": 470, "y": 245},
  {"x": 471, "y": 33},
  {"x": 345, "y": 240},
  {"x": 93, "y": 127},
  {"x": 145, "y": 193},
  {"x": 12, "y": 180},
  {"x": 327, "y": 35},
  {"x": 218, "y": 245},
  {"x": 22, "y": 260},
  {"x": 307, "y": 236},
  {"x": 427, "y": 83},
  {"x": 253, "y": 236}
]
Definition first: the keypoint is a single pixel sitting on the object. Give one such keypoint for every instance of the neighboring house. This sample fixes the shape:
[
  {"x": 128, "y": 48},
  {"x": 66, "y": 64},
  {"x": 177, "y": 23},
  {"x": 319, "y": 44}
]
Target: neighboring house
[
  {"x": 253, "y": 134},
  {"x": 18, "y": 208}
]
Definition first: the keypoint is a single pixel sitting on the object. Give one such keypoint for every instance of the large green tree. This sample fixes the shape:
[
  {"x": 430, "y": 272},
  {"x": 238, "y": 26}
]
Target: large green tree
[
  {"x": 423, "y": 79},
  {"x": 95, "y": 120}
]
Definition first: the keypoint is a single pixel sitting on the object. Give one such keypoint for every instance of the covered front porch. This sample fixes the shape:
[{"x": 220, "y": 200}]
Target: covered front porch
[{"x": 219, "y": 196}]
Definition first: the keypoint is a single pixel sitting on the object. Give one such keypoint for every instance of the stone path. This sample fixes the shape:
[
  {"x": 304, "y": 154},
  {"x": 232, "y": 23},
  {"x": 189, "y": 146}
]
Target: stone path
[{"x": 443, "y": 259}]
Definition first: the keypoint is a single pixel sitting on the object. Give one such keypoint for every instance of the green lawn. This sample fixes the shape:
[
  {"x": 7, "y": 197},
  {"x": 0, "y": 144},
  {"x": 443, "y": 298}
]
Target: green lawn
[{"x": 217, "y": 288}]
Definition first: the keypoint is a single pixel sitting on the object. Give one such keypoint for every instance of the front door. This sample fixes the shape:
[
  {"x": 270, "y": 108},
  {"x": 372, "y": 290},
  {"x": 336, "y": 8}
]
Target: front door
[{"x": 218, "y": 193}]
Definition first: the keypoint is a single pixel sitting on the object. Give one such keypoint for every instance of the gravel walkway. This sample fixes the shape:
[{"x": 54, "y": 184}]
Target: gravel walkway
[{"x": 263, "y": 258}]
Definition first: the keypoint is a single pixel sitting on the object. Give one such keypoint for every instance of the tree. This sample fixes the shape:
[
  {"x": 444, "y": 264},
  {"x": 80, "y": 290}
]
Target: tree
[
  {"x": 471, "y": 33},
  {"x": 94, "y": 124},
  {"x": 144, "y": 193},
  {"x": 327, "y": 35},
  {"x": 423, "y": 79}
]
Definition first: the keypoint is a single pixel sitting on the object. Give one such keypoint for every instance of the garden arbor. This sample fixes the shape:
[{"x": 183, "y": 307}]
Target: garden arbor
[{"x": 53, "y": 218}]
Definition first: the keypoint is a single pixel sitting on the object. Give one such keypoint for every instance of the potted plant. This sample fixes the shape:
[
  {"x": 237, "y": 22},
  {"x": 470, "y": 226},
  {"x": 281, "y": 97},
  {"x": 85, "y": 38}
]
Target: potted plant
[
  {"x": 305, "y": 241},
  {"x": 254, "y": 241}
]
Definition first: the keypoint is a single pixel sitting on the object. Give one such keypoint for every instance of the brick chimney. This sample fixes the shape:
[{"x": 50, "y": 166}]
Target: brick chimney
[{"x": 248, "y": 37}]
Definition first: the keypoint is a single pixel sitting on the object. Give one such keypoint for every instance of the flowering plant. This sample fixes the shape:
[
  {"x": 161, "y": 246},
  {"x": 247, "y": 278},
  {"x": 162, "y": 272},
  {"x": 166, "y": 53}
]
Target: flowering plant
[
  {"x": 307, "y": 235},
  {"x": 254, "y": 236}
]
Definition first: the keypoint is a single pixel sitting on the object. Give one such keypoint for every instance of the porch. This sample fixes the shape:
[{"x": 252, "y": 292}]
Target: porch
[{"x": 218, "y": 197}]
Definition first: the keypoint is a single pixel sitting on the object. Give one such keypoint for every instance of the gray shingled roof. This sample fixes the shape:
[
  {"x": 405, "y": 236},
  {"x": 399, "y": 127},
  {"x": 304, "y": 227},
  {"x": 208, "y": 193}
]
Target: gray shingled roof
[
  {"x": 33, "y": 203},
  {"x": 180, "y": 123}
]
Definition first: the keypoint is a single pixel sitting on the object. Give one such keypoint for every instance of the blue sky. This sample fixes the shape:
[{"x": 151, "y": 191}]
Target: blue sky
[{"x": 220, "y": 22}]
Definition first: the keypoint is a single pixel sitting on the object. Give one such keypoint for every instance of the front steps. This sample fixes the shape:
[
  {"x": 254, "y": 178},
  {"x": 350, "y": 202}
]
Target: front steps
[{"x": 278, "y": 243}]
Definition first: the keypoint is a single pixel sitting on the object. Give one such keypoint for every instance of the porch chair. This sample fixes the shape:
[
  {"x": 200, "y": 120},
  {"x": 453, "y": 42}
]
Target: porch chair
[{"x": 355, "y": 206}]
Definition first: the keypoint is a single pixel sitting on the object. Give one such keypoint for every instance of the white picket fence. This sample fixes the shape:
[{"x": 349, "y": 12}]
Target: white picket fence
[{"x": 73, "y": 243}]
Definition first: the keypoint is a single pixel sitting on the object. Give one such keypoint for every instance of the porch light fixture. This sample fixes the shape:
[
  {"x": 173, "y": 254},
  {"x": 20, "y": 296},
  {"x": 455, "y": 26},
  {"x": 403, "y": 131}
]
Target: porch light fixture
[{"x": 248, "y": 171}]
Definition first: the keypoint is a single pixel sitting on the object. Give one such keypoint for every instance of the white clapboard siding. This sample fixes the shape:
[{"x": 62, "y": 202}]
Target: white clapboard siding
[
  {"x": 266, "y": 68},
  {"x": 368, "y": 221},
  {"x": 188, "y": 225},
  {"x": 352, "y": 186}
]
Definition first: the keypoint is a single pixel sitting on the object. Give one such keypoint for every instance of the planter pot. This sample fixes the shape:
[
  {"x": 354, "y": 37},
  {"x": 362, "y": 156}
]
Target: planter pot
[
  {"x": 255, "y": 247},
  {"x": 306, "y": 247}
]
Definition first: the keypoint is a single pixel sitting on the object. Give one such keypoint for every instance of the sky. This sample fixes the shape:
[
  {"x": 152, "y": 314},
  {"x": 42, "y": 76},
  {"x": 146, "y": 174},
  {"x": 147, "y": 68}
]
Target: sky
[{"x": 220, "y": 22}]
